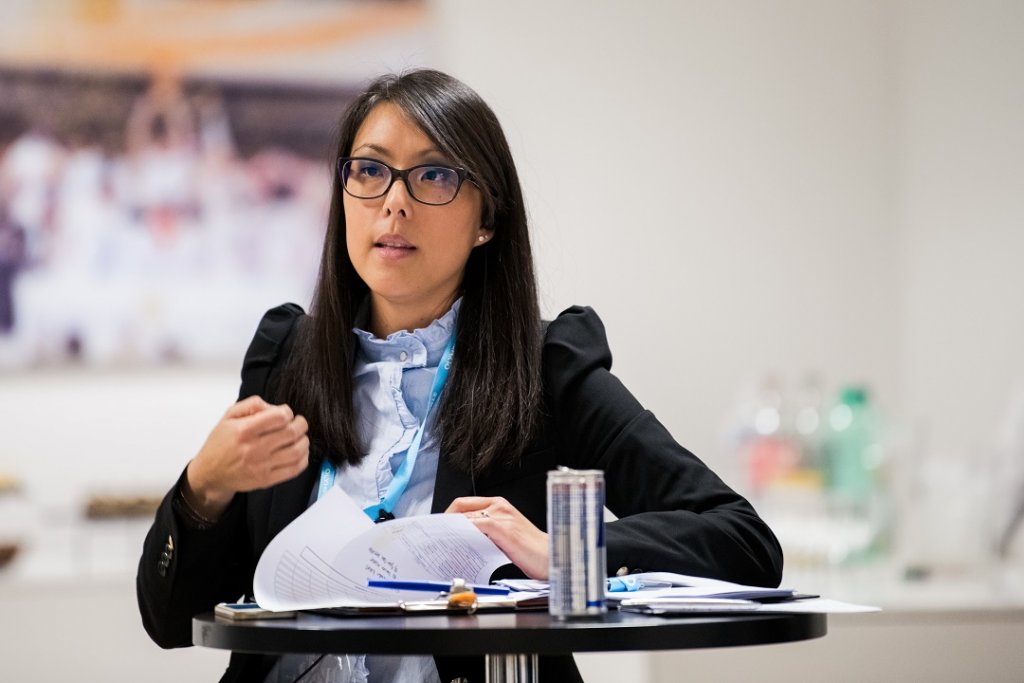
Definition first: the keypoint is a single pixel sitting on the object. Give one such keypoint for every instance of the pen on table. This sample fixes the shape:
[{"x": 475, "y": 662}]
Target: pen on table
[
  {"x": 629, "y": 584},
  {"x": 434, "y": 586}
]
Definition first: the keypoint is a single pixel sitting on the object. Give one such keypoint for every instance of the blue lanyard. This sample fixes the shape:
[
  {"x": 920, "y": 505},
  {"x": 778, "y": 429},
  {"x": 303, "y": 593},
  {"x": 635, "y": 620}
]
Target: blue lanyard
[{"x": 383, "y": 510}]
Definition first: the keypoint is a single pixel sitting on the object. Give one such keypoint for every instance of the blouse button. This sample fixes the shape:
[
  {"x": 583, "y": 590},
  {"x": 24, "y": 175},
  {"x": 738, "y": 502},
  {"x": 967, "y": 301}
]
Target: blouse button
[{"x": 403, "y": 356}]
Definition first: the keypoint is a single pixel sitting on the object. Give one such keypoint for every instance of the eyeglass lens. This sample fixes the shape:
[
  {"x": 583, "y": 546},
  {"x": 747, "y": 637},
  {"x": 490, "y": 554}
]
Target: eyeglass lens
[{"x": 368, "y": 179}]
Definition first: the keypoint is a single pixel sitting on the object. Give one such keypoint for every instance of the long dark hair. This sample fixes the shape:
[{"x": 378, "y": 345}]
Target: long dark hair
[{"x": 490, "y": 405}]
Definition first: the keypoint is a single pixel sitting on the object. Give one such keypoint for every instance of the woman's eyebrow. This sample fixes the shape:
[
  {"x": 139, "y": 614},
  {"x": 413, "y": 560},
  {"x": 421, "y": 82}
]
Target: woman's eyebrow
[
  {"x": 384, "y": 151},
  {"x": 372, "y": 147}
]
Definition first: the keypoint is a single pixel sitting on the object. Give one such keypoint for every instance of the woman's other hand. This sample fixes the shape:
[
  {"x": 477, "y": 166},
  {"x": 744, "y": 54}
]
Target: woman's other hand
[
  {"x": 255, "y": 445},
  {"x": 500, "y": 521}
]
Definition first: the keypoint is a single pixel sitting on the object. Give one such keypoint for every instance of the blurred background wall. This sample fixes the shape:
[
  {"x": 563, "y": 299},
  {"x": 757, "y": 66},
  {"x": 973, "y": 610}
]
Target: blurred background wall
[{"x": 827, "y": 190}]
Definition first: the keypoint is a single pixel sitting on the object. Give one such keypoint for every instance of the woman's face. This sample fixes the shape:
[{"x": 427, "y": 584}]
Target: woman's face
[{"x": 409, "y": 254}]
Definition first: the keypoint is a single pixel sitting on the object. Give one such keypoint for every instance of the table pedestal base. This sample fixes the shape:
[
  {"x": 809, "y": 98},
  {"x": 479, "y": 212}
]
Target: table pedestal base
[{"x": 512, "y": 669}]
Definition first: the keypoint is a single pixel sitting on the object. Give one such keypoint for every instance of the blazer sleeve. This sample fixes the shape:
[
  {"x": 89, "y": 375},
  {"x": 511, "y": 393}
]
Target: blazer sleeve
[
  {"x": 675, "y": 514},
  {"x": 185, "y": 570}
]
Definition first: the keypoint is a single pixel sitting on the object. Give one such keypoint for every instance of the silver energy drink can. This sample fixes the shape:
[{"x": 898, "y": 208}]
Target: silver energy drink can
[{"x": 576, "y": 538}]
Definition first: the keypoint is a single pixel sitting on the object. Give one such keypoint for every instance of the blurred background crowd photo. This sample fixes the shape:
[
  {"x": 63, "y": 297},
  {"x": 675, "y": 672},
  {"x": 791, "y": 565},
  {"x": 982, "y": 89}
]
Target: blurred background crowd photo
[{"x": 155, "y": 178}]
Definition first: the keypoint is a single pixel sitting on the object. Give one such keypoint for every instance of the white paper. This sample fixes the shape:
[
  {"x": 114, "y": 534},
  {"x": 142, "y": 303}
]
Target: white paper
[
  {"x": 684, "y": 586},
  {"x": 696, "y": 593},
  {"x": 711, "y": 585},
  {"x": 327, "y": 554},
  {"x": 670, "y": 605},
  {"x": 818, "y": 606}
]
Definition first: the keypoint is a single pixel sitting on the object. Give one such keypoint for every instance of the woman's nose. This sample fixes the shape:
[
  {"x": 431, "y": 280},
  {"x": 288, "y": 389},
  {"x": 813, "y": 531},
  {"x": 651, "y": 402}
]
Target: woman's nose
[{"x": 398, "y": 200}]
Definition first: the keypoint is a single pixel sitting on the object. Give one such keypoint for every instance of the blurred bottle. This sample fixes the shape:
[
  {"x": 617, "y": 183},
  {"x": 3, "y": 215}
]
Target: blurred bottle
[
  {"x": 807, "y": 430},
  {"x": 1008, "y": 493},
  {"x": 793, "y": 500},
  {"x": 770, "y": 454},
  {"x": 852, "y": 460}
]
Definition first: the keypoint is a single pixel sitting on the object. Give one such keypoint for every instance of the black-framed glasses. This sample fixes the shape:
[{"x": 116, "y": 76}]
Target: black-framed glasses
[{"x": 366, "y": 178}]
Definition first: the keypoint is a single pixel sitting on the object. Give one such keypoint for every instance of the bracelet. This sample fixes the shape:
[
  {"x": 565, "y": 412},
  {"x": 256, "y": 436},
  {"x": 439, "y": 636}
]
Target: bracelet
[{"x": 192, "y": 516}]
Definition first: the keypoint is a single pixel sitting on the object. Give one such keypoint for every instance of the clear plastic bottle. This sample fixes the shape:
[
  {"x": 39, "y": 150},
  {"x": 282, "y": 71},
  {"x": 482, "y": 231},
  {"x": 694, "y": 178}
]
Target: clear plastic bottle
[
  {"x": 794, "y": 498},
  {"x": 808, "y": 426},
  {"x": 769, "y": 450}
]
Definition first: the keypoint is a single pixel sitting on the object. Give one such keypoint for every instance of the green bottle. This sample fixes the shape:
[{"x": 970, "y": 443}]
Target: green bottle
[
  {"x": 851, "y": 449},
  {"x": 852, "y": 469}
]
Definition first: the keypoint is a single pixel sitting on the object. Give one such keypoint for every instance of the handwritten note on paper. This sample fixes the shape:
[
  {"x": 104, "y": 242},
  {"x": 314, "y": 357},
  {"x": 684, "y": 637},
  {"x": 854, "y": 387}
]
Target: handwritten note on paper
[{"x": 326, "y": 555}]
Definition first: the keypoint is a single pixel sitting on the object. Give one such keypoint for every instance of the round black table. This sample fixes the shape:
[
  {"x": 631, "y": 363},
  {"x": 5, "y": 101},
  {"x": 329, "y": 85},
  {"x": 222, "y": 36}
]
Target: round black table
[{"x": 510, "y": 641}]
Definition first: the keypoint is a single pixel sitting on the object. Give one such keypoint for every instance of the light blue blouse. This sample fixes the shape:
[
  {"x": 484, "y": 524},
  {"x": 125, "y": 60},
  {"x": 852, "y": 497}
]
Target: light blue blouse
[{"x": 391, "y": 387}]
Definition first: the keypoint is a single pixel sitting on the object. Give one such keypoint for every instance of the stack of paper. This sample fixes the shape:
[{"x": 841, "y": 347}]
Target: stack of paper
[
  {"x": 688, "y": 594},
  {"x": 669, "y": 594},
  {"x": 667, "y": 584},
  {"x": 668, "y": 606}
]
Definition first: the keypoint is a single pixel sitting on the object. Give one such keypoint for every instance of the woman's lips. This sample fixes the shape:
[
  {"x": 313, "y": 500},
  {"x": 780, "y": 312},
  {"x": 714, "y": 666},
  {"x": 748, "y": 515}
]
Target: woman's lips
[
  {"x": 393, "y": 249},
  {"x": 393, "y": 252}
]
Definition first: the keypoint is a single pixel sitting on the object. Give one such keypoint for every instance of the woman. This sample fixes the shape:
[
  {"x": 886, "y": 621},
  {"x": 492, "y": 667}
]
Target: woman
[{"x": 427, "y": 255}]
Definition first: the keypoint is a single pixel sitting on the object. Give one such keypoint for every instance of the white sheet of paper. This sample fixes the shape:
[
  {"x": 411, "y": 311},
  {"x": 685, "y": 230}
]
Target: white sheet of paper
[
  {"x": 685, "y": 586},
  {"x": 326, "y": 555},
  {"x": 818, "y": 606},
  {"x": 803, "y": 606},
  {"x": 701, "y": 586}
]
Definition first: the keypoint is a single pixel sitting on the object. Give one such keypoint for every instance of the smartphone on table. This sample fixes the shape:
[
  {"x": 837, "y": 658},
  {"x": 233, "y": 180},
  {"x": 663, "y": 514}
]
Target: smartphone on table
[{"x": 247, "y": 610}]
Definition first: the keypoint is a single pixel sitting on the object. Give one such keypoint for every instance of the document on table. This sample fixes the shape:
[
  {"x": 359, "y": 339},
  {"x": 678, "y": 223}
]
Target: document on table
[
  {"x": 653, "y": 585},
  {"x": 818, "y": 606},
  {"x": 327, "y": 554},
  {"x": 690, "y": 594},
  {"x": 685, "y": 606},
  {"x": 684, "y": 586}
]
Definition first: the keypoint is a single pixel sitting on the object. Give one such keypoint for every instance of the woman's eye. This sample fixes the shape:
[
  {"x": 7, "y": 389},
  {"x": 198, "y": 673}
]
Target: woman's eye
[
  {"x": 436, "y": 175},
  {"x": 370, "y": 170}
]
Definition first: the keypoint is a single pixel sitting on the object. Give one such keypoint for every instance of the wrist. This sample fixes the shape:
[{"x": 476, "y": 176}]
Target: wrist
[
  {"x": 189, "y": 513},
  {"x": 204, "y": 499}
]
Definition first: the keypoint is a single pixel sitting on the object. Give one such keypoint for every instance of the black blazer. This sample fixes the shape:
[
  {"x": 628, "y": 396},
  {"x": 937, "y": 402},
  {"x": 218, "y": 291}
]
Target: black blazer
[{"x": 674, "y": 513}]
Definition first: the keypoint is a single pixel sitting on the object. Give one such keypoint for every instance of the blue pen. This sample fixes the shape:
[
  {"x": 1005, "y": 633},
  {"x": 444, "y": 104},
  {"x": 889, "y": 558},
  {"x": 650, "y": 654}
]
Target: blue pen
[
  {"x": 624, "y": 584},
  {"x": 434, "y": 586},
  {"x": 629, "y": 584}
]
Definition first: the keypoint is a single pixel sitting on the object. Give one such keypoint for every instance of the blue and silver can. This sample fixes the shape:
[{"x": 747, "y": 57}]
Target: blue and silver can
[{"x": 576, "y": 537}]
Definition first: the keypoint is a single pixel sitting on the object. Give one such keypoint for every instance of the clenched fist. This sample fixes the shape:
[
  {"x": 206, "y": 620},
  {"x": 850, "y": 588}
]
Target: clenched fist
[{"x": 254, "y": 446}]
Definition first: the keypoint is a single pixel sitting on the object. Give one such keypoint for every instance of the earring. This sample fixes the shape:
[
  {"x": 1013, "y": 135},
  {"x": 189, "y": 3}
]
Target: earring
[{"x": 482, "y": 238}]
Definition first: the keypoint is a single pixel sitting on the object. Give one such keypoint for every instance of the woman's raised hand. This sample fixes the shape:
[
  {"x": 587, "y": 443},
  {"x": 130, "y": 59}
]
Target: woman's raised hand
[
  {"x": 500, "y": 521},
  {"x": 255, "y": 445}
]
